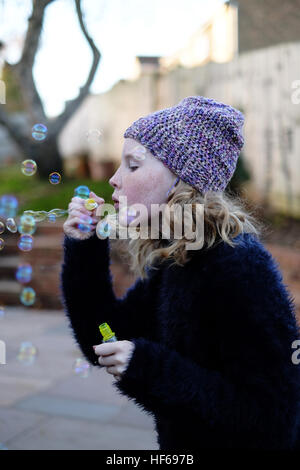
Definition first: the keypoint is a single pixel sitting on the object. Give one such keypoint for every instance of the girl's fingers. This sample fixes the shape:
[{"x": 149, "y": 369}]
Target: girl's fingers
[
  {"x": 98, "y": 199},
  {"x": 77, "y": 199},
  {"x": 79, "y": 207},
  {"x": 78, "y": 220},
  {"x": 88, "y": 219}
]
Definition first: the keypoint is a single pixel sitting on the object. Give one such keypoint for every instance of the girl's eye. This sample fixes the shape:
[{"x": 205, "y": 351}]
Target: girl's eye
[{"x": 132, "y": 168}]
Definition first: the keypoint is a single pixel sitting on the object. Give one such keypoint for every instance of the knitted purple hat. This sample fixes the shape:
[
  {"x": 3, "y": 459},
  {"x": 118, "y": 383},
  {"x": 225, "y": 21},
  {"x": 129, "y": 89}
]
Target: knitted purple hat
[{"x": 199, "y": 140}]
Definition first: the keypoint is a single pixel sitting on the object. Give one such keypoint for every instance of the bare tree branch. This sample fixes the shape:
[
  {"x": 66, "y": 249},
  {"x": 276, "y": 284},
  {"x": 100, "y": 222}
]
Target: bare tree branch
[
  {"x": 49, "y": 156},
  {"x": 72, "y": 105},
  {"x": 23, "y": 69},
  {"x": 35, "y": 23},
  {"x": 13, "y": 129}
]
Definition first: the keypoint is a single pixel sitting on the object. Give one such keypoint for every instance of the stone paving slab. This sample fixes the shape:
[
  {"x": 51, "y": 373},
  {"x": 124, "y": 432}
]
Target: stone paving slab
[
  {"x": 46, "y": 406},
  {"x": 67, "y": 407},
  {"x": 15, "y": 422},
  {"x": 60, "y": 433}
]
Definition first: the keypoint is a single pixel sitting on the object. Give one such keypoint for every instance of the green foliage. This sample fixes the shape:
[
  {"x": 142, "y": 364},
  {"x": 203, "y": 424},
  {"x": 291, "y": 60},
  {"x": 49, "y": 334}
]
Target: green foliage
[
  {"x": 36, "y": 194},
  {"x": 240, "y": 175},
  {"x": 14, "y": 100}
]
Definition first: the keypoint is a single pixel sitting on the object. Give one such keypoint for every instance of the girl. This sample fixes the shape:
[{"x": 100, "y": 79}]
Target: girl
[{"x": 205, "y": 336}]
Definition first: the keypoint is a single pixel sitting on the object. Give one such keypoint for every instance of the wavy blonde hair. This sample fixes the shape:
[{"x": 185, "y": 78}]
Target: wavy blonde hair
[{"x": 225, "y": 217}]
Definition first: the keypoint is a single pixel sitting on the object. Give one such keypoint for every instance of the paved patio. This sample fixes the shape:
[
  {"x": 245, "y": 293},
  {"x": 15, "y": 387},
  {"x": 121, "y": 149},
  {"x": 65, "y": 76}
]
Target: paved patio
[{"x": 46, "y": 406}]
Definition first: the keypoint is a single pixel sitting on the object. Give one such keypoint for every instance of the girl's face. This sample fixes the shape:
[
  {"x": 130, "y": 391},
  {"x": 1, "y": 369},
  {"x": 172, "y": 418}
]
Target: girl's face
[{"x": 141, "y": 177}]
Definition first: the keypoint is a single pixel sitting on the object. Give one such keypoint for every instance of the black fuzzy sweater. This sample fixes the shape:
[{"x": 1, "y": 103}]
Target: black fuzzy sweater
[{"x": 213, "y": 342}]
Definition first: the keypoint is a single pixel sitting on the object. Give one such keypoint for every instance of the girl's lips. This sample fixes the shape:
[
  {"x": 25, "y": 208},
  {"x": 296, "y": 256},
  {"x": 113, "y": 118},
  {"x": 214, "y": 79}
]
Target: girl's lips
[{"x": 116, "y": 205}]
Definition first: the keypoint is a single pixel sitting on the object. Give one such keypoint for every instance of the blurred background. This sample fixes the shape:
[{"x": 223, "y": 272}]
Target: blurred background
[{"x": 73, "y": 76}]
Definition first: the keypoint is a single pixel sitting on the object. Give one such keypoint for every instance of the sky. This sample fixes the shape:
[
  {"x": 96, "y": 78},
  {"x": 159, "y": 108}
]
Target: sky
[{"x": 121, "y": 29}]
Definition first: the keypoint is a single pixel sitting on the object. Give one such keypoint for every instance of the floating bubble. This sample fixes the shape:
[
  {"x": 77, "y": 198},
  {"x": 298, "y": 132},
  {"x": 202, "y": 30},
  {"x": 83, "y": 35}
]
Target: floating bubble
[
  {"x": 1, "y": 244},
  {"x": 11, "y": 225},
  {"x": 103, "y": 230},
  {"x": 38, "y": 216},
  {"x": 93, "y": 135},
  {"x": 82, "y": 191},
  {"x": 25, "y": 242},
  {"x": 24, "y": 273},
  {"x": 58, "y": 212},
  {"x": 39, "y": 132},
  {"x": 54, "y": 178},
  {"x": 27, "y": 296},
  {"x": 51, "y": 217},
  {"x": 81, "y": 368},
  {"x": 84, "y": 228},
  {"x": 27, "y": 225},
  {"x": 2, "y": 311},
  {"x": 2, "y": 227},
  {"x": 90, "y": 204},
  {"x": 29, "y": 167},
  {"x": 27, "y": 353},
  {"x": 131, "y": 214},
  {"x": 8, "y": 206},
  {"x": 139, "y": 152}
]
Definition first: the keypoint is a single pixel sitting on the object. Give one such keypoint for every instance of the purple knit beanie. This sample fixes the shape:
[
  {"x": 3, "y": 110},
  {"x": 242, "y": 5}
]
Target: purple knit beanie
[{"x": 199, "y": 140}]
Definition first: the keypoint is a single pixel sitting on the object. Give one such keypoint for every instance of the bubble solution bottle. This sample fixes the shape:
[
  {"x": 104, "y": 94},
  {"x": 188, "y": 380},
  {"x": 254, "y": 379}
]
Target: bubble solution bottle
[{"x": 108, "y": 335}]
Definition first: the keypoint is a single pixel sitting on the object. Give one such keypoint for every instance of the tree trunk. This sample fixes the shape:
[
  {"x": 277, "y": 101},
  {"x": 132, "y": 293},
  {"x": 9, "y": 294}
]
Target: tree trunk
[{"x": 47, "y": 156}]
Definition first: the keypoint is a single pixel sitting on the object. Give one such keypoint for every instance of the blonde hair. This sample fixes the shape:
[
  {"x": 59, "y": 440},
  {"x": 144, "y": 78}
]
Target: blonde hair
[{"x": 225, "y": 217}]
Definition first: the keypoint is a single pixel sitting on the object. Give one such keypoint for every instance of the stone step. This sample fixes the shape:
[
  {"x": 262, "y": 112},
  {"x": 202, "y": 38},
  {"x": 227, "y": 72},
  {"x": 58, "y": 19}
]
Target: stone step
[
  {"x": 10, "y": 292},
  {"x": 10, "y": 295},
  {"x": 40, "y": 244},
  {"x": 8, "y": 266},
  {"x": 49, "y": 228}
]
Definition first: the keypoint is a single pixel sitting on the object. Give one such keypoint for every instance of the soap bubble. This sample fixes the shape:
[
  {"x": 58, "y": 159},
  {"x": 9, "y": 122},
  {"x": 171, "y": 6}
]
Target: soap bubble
[
  {"x": 38, "y": 216},
  {"x": 29, "y": 167},
  {"x": 25, "y": 242},
  {"x": 27, "y": 225},
  {"x": 103, "y": 230},
  {"x": 58, "y": 212},
  {"x": 2, "y": 227},
  {"x": 90, "y": 204},
  {"x": 1, "y": 244},
  {"x": 2, "y": 311},
  {"x": 131, "y": 214},
  {"x": 81, "y": 368},
  {"x": 11, "y": 225},
  {"x": 54, "y": 178},
  {"x": 39, "y": 132},
  {"x": 8, "y": 206},
  {"x": 93, "y": 135},
  {"x": 27, "y": 353},
  {"x": 51, "y": 217},
  {"x": 84, "y": 228},
  {"x": 139, "y": 152},
  {"x": 82, "y": 191},
  {"x": 27, "y": 296},
  {"x": 24, "y": 273}
]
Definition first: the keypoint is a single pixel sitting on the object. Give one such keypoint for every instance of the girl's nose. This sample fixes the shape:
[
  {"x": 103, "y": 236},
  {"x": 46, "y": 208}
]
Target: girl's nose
[
  {"x": 115, "y": 180},
  {"x": 112, "y": 181}
]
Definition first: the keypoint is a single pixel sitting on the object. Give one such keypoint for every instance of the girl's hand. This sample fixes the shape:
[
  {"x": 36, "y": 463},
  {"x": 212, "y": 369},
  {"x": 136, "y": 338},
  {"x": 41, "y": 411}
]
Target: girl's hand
[
  {"x": 115, "y": 356},
  {"x": 79, "y": 214}
]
